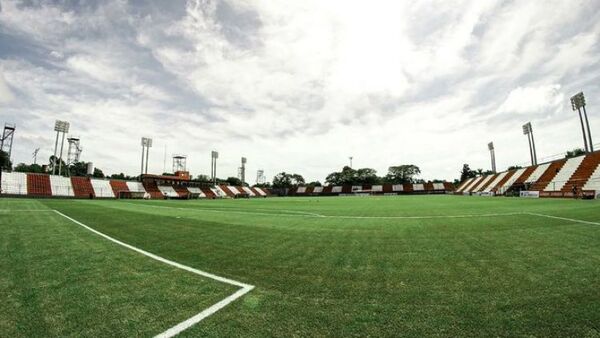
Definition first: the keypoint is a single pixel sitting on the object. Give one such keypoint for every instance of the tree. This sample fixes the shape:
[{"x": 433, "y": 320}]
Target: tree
[
  {"x": 4, "y": 160},
  {"x": 32, "y": 168},
  {"x": 349, "y": 176},
  {"x": 514, "y": 167},
  {"x": 402, "y": 174},
  {"x": 203, "y": 178},
  {"x": 285, "y": 180},
  {"x": 234, "y": 181},
  {"x": 574, "y": 153},
  {"x": 466, "y": 173},
  {"x": 98, "y": 173},
  {"x": 314, "y": 184}
]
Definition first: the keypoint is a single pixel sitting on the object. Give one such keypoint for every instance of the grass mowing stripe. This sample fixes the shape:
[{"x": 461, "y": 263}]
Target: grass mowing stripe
[
  {"x": 245, "y": 288},
  {"x": 310, "y": 214}
]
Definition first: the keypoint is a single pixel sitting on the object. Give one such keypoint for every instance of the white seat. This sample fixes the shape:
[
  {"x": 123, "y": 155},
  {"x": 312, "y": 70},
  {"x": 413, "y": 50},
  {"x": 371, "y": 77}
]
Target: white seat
[
  {"x": 301, "y": 190},
  {"x": 249, "y": 191},
  {"x": 196, "y": 190},
  {"x": 168, "y": 191},
  {"x": 511, "y": 180},
  {"x": 102, "y": 188},
  {"x": 336, "y": 189},
  {"x": 233, "y": 189},
  {"x": 593, "y": 183},
  {"x": 260, "y": 191},
  {"x": 14, "y": 183},
  {"x": 317, "y": 190},
  {"x": 377, "y": 188},
  {"x": 495, "y": 182},
  {"x": 565, "y": 173},
  {"x": 418, "y": 187},
  {"x": 218, "y": 192},
  {"x": 481, "y": 183},
  {"x": 135, "y": 187},
  {"x": 397, "y": 187},
  {"x": 539, "y": 171},
  {"x": 438, "y": 186},
  {"x": 61, "y": 186}
]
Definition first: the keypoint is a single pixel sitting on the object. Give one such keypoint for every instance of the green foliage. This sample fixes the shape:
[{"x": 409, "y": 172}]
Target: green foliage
[
  {"x": 4, "y": 160},
  {"x": 574, "y": 153},
  {"x": 514, "y": 167},
  {"x": 234, "y": 181},
  {"x": 314, "y": 184},
  {"x": 349, "y": 176},
  {"x": 122, "y": 176},
  {"x": 203, "y": 178},
  {"x": 466, "y": 173},
  {"x": 29, "y": 168},
  {"x": 98, "y": 173},
  {"x": 285, "y": 180},
  {"x": 405, "y": 173}
]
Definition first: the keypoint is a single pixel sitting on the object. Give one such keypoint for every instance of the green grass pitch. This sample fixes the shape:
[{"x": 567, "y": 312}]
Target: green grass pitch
[{"x": 340, "y": 266}]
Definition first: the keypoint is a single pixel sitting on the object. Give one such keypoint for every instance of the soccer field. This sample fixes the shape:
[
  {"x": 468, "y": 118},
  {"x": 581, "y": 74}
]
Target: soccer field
[{"x": 340, "y": 266}]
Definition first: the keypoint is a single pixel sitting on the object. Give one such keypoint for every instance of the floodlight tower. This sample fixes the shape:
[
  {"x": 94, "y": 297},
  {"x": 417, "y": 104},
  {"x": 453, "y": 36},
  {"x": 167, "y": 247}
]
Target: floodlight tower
[
  {"x": 146, "y": 145},
  {"x": 59, "y": 127},
  {"x": 493, "y": 156},
  {"x": 260, "y": 176},
  {"x": 7, "y": 139},
  {"x": 350, "y": 158},
  {"x": 74, "y": 150},
  {"x": 34, "y": 155},
  {"x": 578, "y": 103},
  {"x": 528, "y": 130},
  {"x": 179, "y": 163},
  {"x": 214, "y": 155},
  {"x": 242, "y": 171}
]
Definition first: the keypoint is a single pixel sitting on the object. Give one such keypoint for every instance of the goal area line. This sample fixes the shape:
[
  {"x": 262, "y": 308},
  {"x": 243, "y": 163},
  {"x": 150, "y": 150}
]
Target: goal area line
[{"x": 184, "y": 325}]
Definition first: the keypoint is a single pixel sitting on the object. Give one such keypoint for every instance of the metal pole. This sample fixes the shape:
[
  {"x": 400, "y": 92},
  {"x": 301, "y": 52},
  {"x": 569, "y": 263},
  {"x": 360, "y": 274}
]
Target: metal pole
[
  {"x": 535, "y": 162},
  {"x": 583, "y": 130},
  {"x": 589, "y": 133},
  {"x": 54, "y": 158},
  {"x": 147, "y": 153},
  {"x": 530, "y": 149},
  {"x": 62, "y": 143},
  {"x": 142, "y": 168},
  {"x": 493, "y": 161},
  {"x": 215, "y": 183}
]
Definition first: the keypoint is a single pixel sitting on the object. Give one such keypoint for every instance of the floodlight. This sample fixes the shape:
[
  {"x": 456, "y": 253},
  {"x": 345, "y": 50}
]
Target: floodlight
[
  {"x": 491, "y": 146},
  {"x": 577, "y": 101},
  {"x": 61, "y": 126},
  {"x": 527, "y": 128},
  {"x": 243, "y": 160}
]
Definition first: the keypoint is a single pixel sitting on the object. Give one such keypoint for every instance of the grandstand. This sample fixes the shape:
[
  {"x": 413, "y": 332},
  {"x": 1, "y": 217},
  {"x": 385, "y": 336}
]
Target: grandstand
[{"x": 551, "y": 179}]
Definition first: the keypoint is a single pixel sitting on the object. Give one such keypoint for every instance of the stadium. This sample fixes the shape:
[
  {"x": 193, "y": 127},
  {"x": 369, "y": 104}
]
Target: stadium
[{"x": 431, "y": 248}]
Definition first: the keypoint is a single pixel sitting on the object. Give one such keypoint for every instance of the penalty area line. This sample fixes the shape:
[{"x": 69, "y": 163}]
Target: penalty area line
[
  {"x": 245, "y": 288},
  {"x": 564, "y": 218}
]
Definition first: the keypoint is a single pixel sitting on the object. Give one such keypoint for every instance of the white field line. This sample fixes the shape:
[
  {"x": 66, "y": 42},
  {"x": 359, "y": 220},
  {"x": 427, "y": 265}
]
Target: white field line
[
  {"x": 245, "y": 288},
  {"x": 563, "y": 218},
  {"x": 23, "y": 210},
  {"x": 428, "y": 216}
]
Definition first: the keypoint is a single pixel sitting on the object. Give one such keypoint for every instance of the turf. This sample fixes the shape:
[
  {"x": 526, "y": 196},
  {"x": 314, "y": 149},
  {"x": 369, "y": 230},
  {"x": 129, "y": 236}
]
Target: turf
[{"x": 359, "y": 271}]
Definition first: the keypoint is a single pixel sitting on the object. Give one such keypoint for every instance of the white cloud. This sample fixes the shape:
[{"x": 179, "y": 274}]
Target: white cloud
[{"x": 300, "y": 86}]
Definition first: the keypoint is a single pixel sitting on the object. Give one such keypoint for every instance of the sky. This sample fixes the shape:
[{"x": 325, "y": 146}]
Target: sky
[{"x": 299, "y": 86}]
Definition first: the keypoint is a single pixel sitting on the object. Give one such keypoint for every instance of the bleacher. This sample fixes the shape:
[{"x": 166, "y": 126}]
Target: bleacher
[
  {"x": 552, "y": 179},
  {"x": 82, "y": 187},
  {"x": 196, "y": 191},
  {"x": 119, "y": 187},
  {"x": 168, "y": 191},
  {"x": 102, "y": 188},
  {"x": 61, "y": 186},
  {"x": 38, "y": 185},
  {"x": 135, "y": 187},
  {"x": 14, "y": 183}
]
